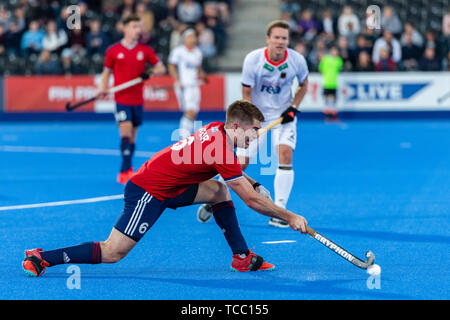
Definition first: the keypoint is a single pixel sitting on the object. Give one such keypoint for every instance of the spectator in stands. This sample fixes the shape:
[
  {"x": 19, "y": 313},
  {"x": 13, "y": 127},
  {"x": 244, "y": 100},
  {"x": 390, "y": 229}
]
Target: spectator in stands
[
  {"x": 169, "y": 15},
  {"x": 5, "y": 16},
  {"x": 66, "y": 62},
  {"x": 387, "y": 41},
  {"x": 446, "y": 62},
  {"x": 361, "y": 45},
  {"x": 223, "y": 7},
  {"x": 416, "y": 37},
  {"x": 175, "y": 35},
  {"x": 13, "y": 38},
  {"x": 429, "y": 62},
  {"x": 96, "y": 40},
  {"x": 148, "y": 21},
  {"x": 364, "y": 62},
  {"x": 32, "y": 39},
  {"x": 327, "y": 25},
  {"x": 54, "y": 39},
  {"x": 431, "y": 42},
  {"x": 390, "y": 21},
  {"x": 411, "y": 53},
  {"x": 189, "y": 12},
  {"x": 77, "y": 40},
  {"x": 46, "y": 64},
  {"x": 385, "y": 63},
  {"x": 20, "y": 17},
  {"x": 346, "y": 19},
  {"x": 117, "y": 32},
  {"x": 370, "y": 35},
  {"x": 446, "y": 24},
  {"x": 351, "y": 37},
  {"x": 212, "y": 21},
  {"x": 2, "y": 40},
  {"x": 318, "y": 51},
  {"x": 291, "y": 6},
  {"x": 289, "y": 18},
  {"x": 307, "y": 26},
  {"x": 205, "y": 38},
  {"x": 301, "y": 48},
  {"x": 344, "y": 53},
  {"x": 127, "y": 6}
]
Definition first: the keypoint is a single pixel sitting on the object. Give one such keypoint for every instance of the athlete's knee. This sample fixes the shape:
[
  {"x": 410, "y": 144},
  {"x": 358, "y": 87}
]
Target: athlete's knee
[
  {"x": 285, "y": 155},
  {"x": 221, "y": 193},
  {"x": 111, "y": 253}
]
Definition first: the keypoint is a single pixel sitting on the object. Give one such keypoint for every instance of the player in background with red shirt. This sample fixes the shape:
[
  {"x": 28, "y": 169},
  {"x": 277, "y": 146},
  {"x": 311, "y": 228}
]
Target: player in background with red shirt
[
  {"x": 180, "y": 175},
  {"x": 127, "y": 60}
]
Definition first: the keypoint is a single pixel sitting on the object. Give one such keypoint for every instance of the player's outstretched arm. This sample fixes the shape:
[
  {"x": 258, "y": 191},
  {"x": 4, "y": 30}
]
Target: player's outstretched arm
[{"x": 265, "y": 206}]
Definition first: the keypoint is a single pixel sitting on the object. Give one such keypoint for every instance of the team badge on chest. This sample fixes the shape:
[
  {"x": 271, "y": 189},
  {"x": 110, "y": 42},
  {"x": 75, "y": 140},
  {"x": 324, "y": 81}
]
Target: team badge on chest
[{"x": 140, "y": 56}]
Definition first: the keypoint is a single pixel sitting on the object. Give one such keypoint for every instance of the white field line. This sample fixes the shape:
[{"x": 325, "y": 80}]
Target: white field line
[
  {"x": 280, "y": 241},
  {"x": 64, "y": 150},
  {"x": 62, "y": 203}
]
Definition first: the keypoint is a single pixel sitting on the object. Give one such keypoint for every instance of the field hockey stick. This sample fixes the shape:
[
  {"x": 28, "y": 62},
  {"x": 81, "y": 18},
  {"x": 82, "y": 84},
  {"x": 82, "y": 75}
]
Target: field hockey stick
[
  {"x": 444, "y": 97},
  {"x": 270, "y": 126},
  {"x": 370, "y": 257},
  {"x": 172, "y": 86},
  {"x": 120, "y": 87}
]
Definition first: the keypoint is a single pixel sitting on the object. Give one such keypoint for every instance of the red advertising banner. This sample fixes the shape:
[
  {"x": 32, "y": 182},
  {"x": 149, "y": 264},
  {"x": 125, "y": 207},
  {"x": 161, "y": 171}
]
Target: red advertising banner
[
  {"x": 51, "y": 93},
  {"x": 46, "y": 93}
]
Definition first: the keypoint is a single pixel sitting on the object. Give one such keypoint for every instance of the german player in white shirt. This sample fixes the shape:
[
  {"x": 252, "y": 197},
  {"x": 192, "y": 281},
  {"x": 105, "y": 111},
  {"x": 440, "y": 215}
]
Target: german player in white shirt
[
  {"x": 267, "y": 78},
  {"x": 185, "y": 66}
]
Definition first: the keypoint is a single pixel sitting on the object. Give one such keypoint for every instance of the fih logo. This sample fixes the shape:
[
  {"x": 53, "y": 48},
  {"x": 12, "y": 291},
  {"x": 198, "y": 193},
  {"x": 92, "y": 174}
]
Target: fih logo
[{"x": 373, "y": 17}]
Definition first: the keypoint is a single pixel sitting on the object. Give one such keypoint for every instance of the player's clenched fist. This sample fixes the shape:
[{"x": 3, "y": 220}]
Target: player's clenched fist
[
  {"x": 298, "y": 223},
  {"x": 289, "y": 114}
]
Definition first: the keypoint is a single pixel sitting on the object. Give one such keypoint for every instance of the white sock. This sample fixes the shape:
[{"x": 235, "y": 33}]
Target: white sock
[
  {"x": 283, "y": 182},
  {"x": 186, "y": 127}
]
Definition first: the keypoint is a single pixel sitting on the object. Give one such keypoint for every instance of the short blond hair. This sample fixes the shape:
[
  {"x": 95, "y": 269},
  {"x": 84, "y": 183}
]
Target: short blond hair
[
  {"x": 243, "y": 111},
  {"x": 277, "y": 24}
]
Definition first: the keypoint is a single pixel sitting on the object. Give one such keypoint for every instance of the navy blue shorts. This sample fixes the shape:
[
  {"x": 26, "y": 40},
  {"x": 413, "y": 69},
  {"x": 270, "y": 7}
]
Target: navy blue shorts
[
  {"x": 141, "y": 209},
  {"x": 129, "y": 113}
]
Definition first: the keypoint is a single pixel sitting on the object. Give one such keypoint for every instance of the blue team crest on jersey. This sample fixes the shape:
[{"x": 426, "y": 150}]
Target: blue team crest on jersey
[{"x": 214, "y": 129}]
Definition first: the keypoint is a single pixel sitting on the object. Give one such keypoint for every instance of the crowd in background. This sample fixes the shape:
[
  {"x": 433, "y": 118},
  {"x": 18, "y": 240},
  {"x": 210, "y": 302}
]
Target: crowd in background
[
  {"x": 396, "y": 46},
  {"x": 39, "y": 37},
  {"x": 35, "y": 37}
]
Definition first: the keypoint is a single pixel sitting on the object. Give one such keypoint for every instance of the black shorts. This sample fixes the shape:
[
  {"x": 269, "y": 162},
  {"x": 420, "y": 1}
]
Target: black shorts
[
  {"x": 329, "y": 92},
  {"x": 129, "y": 113},
  {"x": 141, "y": 209}
]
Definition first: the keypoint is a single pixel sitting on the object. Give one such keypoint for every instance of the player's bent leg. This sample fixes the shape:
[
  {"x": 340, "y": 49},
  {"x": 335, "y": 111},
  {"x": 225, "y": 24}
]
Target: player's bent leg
[
  {"x": 36, "y": 260},
  {"x": 212, "y": 192},
  {"x": 116, "y": 247},
  {"x": 218, "y": 196}
]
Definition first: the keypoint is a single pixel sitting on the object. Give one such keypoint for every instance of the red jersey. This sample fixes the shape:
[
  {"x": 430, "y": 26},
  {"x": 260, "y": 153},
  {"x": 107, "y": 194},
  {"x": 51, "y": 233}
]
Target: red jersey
[
  {"x": 194, "y": 159},
  {"x": 128, "y": 64}
]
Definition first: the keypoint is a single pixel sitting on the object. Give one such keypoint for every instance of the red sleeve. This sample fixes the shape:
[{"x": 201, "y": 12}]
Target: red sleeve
[
  {"x": 152, "y": 58},
  {"x": 109, "y": 59}
]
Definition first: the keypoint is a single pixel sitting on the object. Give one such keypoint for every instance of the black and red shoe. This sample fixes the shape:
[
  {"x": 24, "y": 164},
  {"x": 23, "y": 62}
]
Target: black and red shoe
[
  {"x": 33, "y": 264},
  {"x": 252, "y": 262}
]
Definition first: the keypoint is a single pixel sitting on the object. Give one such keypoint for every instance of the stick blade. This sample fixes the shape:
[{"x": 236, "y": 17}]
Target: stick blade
[{"x": 68, "y": 107}]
